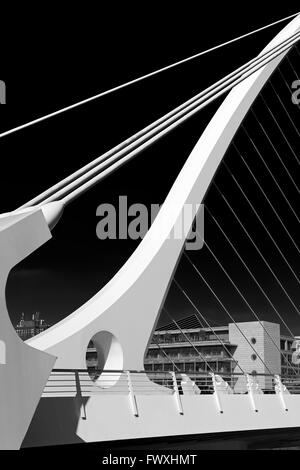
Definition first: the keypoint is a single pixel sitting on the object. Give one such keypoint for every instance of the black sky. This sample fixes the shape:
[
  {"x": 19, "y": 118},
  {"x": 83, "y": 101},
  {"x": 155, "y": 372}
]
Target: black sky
[{"x": 59, "y": 62}]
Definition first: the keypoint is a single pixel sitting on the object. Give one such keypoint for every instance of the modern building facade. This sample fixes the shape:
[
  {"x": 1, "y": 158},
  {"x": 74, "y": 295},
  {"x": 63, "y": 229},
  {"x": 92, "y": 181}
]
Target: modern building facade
[
  {"x": 286, "y": 347},
  {"x": 191, "y": 350},
  {"x": 256, "y": 348}
]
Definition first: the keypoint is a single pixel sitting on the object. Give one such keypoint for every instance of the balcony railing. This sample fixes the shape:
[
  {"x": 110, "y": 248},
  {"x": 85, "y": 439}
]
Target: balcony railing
[{"x": 191, "y": 357}]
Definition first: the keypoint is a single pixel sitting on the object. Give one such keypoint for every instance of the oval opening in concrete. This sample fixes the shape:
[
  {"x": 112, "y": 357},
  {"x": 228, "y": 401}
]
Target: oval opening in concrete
[{"x": 104, "y": 359}]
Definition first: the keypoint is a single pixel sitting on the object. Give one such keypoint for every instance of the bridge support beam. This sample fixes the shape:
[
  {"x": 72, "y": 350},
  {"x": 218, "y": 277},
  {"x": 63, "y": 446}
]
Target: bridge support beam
[{"x": 24, "y": 370}]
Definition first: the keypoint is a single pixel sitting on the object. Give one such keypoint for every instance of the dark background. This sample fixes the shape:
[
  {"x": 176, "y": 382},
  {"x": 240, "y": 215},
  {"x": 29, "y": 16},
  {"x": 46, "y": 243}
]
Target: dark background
[{"x": 60, "y": 57}]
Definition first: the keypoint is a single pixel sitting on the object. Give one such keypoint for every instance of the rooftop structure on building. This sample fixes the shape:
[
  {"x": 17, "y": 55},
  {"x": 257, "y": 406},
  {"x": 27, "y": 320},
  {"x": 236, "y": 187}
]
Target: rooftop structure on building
[{"x": 28, "y": 328}]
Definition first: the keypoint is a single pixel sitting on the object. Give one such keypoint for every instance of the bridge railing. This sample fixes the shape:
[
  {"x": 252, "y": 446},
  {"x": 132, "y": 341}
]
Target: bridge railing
[{"x": 83, "y": 382}]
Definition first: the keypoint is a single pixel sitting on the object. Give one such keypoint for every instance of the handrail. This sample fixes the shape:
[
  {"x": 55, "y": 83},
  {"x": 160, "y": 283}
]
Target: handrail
[
  {"x": 136, "y": 383},
  {"x": 149, "y": 372}
]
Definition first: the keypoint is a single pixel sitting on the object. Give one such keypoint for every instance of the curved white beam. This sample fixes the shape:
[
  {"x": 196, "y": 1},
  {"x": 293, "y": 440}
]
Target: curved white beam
[{"x": 129, "y": 305}]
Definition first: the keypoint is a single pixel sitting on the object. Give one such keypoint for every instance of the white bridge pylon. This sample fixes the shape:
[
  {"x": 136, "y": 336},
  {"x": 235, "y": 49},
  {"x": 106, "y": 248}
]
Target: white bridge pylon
[
  {"x": 122, "y": 316},
  {"x": 126, "y": 310}
]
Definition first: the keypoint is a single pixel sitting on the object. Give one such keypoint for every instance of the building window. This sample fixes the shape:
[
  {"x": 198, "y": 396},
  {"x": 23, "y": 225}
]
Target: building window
[
  {"x": 254, "y": 357},
  {"x": 189, "y": 367},
  {"x": 253, "y": 340}
]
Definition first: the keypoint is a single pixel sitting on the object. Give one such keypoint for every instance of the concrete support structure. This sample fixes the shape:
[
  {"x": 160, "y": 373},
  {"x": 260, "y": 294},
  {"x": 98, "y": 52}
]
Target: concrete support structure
[{"x": 24, "y": 371}]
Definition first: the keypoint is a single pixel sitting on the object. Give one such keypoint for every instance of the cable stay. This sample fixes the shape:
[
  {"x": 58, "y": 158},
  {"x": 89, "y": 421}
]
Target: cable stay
[
  {"x": 240, "y": 294},
  {"x": 207, "y": 323},
  {"x": 165, "y": 354},
  {"x": 279, "y": 127},
  {"x": 263, "y": 224},
  {"x": 296, "y": 49},
  {"x": 86, "y": 177},
  {"x": 267, "y": 198},
  {"x": 276, "y": 152},
  {"x": 144, "y": 77},
  {"x": 285, "y": 82},
  {"x": 250, "y": 272},
  {"x": 286, "y": 111},
  {"x": 270, "y": 172},
  {"x": 256, "y": 247},
  {"x": 203, "y": 358},
  {"x": 236, "y": 287},
  {"x": 228, "y": 313},
  {"x": 292, "y": 67}
]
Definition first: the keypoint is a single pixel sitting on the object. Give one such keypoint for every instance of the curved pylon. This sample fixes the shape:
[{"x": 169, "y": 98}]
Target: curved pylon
[{"x": 126, "y": 310}]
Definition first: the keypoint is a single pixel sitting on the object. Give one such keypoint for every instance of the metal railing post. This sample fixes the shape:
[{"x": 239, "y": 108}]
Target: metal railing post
[
  {"x": 252, "y": 390},
  {"x": 281, "y": 390},
  {"x": 216, "y": 393},
  {"x": 176, "y": 393},
  {"x": 132, "y": 397},
  {"x": 79, "y": 395}
]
